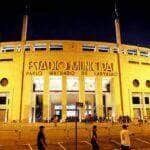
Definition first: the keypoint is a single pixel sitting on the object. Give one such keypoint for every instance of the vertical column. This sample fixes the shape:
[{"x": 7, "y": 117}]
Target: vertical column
[
  {"x": 10, "y": 106},
  {"x": 99, "y": 96},
  {"x": 116, "y": 100},
  {"x": 82, "y": 96},
  {"x": 27, "y": 98},
  {"x": 64, "y": 97},
  {"x": 24, "y": 28},
  {"x": 46, "y": 98},
  {"x": 131, "y": 105},
  {"x": 143, "y": 106}
]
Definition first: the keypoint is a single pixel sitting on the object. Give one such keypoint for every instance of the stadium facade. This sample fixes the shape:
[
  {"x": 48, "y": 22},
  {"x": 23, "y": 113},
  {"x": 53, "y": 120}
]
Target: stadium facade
[{"x": 40, "y": 79}]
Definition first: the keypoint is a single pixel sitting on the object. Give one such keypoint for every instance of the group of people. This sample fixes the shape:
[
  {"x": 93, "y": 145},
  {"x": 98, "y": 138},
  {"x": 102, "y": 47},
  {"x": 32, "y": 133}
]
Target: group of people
[{"x": 124, "y": 136}]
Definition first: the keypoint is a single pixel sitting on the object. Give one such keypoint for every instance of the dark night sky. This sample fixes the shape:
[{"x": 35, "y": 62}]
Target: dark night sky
[{"x": 76, "y": 19}]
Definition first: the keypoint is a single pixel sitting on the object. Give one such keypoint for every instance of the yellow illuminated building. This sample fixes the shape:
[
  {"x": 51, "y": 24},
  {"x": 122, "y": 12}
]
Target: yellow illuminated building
[
  {"x": 52, "y": 75},
  {"x": 40, "y": 79}
]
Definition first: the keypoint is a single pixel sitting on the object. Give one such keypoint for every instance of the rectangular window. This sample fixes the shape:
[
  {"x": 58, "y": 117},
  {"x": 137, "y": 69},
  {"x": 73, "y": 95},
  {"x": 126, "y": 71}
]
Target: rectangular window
[
  {"x": 103, "y": 49},
  {"x": 2, "y": 100},
  {"x": 88, "y": 48},
  {"x": 115, "y": 50},
  {"x": 8, "y": 49},
  {"x": 40, "y": 47},
  {"x": 38, "y": 84},
  {"x": 146, "y": 100},
  {"x": 106, "y": 85},
  {"x": 72, "y": 84},
  {"x": 144, "y": 53},
  {"x": 56, "y": 47},
  {"x": 135, "y": 100},
  {"x": 132, "y": 52},
  {"x": 55, "y": 83},
  {"x": 89, "y": 84}
]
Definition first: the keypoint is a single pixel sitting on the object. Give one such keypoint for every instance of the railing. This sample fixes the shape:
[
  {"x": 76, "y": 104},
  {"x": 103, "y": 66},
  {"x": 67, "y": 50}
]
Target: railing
[{"x": 77, "y": 46}]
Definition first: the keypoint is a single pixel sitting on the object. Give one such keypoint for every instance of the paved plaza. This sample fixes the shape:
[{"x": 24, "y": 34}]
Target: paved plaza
[{"x": 62, "y": 137}]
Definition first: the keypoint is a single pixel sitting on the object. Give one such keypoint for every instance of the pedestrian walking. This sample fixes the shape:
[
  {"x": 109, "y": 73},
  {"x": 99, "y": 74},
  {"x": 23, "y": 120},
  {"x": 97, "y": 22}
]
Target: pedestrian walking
[
  {"x": 125, "y": 138},
  {"x": 94, "y": 143},
  {"x": 41, "y": 140}
]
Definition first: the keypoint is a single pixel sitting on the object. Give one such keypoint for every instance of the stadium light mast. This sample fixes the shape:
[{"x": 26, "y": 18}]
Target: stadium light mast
[
  {"x": 24, "y": 26},
  {"x": 118, "y": 41},
  {"x": 117, "y": 25},
  {"x": 23, "y": 40}
]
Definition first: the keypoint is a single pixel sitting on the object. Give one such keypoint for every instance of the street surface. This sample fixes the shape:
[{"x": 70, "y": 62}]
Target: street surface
[{"x": 23, "y": 136}]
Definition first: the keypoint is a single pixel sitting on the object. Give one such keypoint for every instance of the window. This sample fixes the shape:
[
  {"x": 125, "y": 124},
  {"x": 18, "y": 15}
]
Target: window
[
  {"x": 4, "y": 82},
  {"x": 8, "y": 49},
  {"x": 136, "y": 83},
  {"x": 38, "y": 84},
  {"x": 88, "y": 48},
  {"x": 55, "y": 83},
  {"x": 115, "y": 50},
  {"x": 146, "y": 100},
  {"x": 132, "y": 52},
  {"x": 72, "y": 83},
  {"x": 135, "y": 100},
  {"x": 56, "y": 47},
  {"x": 148, "y": 83},
  {"x": 89, "y": 84},
  {"x": 103, "y": 49},
  {"x": 40, "y": 47},
  {"x": 106, "y": 85},
  {"x": 144, "y": 53},
  {"x": 2, "y": 100}
]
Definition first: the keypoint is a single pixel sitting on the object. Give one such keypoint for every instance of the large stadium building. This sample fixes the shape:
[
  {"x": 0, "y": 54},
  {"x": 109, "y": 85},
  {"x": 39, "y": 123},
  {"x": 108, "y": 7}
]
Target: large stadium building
[{"x": 40, "y": 79}]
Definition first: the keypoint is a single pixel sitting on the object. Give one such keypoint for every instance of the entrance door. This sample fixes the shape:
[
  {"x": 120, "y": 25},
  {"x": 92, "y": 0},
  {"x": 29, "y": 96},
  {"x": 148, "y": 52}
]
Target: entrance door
[
  {"x": 137, "y": 113},
  {"x": 39, "y": 108},
  {"x": 2, "y": 115},
  {"x": 58, "y": 113},
  {"x": 104, "y": 105}
]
